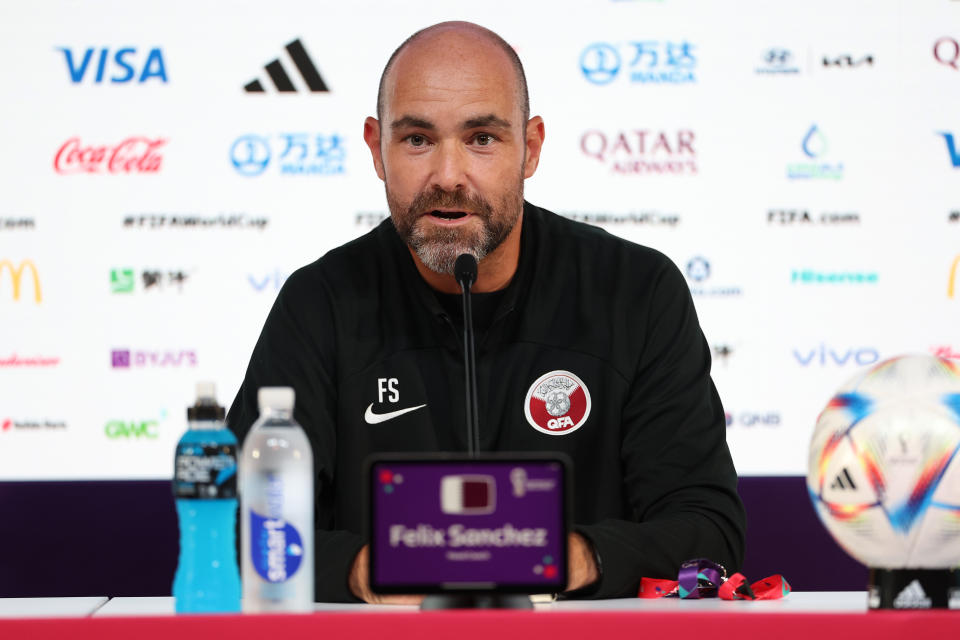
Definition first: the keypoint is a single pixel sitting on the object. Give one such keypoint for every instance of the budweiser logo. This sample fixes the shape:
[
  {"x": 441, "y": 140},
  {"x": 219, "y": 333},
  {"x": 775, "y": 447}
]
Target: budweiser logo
[{"x": 134, "y": 155}]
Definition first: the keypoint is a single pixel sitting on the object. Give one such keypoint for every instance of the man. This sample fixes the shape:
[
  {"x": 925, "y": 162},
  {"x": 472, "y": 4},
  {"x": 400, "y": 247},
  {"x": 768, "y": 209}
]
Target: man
[{"x": 587, "y": 344}]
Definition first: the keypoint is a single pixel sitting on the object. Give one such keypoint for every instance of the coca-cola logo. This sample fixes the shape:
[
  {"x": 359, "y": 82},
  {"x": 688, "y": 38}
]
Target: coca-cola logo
[{"x": 136, "y": 154}]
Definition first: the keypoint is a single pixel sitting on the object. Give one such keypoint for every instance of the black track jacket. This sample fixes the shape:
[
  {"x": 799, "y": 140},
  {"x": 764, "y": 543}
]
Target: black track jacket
[{"x": 654, "y": 484}]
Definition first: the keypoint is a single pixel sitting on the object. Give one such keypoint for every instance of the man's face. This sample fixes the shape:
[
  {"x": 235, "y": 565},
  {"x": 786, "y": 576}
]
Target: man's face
[{"x": 452, "y": 149}]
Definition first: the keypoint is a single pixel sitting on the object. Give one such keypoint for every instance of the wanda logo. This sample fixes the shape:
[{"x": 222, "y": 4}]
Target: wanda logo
[{"x": 136, "y": 154}]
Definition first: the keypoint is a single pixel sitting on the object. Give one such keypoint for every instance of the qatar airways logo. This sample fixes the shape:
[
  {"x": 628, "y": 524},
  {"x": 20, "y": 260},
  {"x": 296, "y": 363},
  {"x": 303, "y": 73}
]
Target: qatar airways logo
[
  {"x": 136, "y": 154},
  {"x": 643, "y": 151}
]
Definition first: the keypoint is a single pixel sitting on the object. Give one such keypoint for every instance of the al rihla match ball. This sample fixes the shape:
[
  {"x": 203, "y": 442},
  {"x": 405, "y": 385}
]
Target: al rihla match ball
[{"x": 883, "y": 471}]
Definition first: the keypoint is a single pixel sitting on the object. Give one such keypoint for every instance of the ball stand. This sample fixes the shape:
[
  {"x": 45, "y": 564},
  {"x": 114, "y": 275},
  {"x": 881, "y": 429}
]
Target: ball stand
[{"x": 914, "y": 589}]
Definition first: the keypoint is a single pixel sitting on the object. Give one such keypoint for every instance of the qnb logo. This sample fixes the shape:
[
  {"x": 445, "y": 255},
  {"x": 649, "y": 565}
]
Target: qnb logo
[
  {"x": 125, "y": 65},
  {"x": 296, "y": 154},
  {"x": 281, "y": 80},
  {"x": 952, "y": 278},
  {"x": 847, "y": 60},
  {"x": 132, "y": 430},
  {"x": 135, "y": 359},
  {"x": 825, "y": 356},
  {"x": 136, "y": 154},
  {"x": 753, "y": 419},
  {"x": 951, "y": 149},
  {"x": 647, "y": 61},
  {"x": 16, "y": 278},
  {"x": 643, "y": 152}
]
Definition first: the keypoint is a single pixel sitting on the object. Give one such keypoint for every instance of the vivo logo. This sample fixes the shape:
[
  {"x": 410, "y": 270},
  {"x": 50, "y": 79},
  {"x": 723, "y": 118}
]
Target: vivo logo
[
  {"x": 827, "y": 356},
  {"x": 272, "y": 281}
]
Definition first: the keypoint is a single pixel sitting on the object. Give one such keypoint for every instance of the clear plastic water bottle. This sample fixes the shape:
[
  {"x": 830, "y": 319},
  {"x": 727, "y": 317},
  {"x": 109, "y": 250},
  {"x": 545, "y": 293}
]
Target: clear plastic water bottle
[
  {"x": 276, "y": 497},
  {"x": 205, "y": 488}
]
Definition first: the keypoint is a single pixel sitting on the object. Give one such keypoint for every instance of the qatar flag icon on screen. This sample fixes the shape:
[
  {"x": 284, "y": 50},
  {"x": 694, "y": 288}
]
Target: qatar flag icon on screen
[{"x": 468, "y": 495}]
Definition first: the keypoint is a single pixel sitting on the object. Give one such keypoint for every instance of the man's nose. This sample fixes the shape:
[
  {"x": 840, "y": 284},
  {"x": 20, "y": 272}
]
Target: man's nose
[{"x": 449, "y": 171}]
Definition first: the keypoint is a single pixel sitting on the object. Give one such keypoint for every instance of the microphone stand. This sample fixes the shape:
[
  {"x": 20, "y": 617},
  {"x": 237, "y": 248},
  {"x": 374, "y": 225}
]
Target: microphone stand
[{"x": 465, "y": 271}]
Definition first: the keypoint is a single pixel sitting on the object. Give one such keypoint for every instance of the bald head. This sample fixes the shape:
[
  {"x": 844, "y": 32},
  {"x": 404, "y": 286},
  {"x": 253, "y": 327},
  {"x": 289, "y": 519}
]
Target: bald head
[{"x": 464, "y": 33}]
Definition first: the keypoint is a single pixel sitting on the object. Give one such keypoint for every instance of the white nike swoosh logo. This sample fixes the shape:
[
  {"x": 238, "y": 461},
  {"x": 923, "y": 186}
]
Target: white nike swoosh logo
[{"x": 376, "y": 418}]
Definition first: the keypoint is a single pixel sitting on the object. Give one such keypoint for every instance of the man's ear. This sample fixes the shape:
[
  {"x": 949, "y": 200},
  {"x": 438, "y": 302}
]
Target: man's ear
[
  {"x": 534, "y": 142},
  {"x": 371, "y": 135}
]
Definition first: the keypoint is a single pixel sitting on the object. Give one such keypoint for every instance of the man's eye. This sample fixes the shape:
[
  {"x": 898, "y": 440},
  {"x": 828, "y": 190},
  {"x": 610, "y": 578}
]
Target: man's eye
[
  {"x": 417, "y": 140},
  {"x": 483, "y": 139}
]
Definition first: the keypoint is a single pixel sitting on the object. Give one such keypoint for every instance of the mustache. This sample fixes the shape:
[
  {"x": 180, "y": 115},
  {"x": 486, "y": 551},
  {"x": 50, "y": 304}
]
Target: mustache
[{"x": 440, "y": 199}]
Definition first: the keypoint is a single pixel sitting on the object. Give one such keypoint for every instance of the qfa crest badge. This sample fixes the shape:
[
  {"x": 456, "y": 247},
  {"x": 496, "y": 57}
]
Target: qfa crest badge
[{"x": 558, "y": 403}]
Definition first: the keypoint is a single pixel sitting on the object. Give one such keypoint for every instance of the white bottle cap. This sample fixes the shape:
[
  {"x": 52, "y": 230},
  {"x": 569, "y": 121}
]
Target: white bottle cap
[
  {"x": 206, "y": 390},
  {"x": 275, "y": 398}
]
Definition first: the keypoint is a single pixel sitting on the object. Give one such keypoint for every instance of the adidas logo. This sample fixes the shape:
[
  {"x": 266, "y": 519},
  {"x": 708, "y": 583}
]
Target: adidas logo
[
  {"x": 283, "y": 83},
  {"x": 912, "y": 597},
  {"x": 843, "y": 480}
]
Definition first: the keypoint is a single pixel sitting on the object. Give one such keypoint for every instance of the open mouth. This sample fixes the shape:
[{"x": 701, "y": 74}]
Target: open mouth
[{"x": 448, "y": 215}]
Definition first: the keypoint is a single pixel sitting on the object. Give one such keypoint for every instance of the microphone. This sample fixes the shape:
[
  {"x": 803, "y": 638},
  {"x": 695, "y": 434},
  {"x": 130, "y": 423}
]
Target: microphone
[{"x": 465, "y": 271}]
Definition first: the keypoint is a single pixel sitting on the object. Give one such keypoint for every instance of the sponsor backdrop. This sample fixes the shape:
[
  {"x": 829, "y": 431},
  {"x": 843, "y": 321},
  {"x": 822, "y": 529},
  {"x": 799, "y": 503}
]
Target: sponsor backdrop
[{"x": 167, "y": 165}]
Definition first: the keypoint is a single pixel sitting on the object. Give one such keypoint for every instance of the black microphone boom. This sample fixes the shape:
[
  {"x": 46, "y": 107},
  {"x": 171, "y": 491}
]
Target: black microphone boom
[{"x": 465, "y": 271}]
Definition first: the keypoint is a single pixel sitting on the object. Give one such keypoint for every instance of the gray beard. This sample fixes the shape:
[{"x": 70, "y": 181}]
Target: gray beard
[{"x": 440, "y": 247}]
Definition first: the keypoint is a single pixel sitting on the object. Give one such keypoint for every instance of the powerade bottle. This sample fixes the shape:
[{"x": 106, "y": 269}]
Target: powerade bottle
[
  {"x": 276, "y": 513},
  {"x": 205, "y": 487}
]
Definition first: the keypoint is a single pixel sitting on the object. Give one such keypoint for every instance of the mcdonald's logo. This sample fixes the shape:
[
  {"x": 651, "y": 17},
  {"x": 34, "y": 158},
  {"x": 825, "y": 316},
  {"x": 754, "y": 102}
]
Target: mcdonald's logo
[
  {"x": 952, "y": 282},
  {"x": 16, "y": 277}
]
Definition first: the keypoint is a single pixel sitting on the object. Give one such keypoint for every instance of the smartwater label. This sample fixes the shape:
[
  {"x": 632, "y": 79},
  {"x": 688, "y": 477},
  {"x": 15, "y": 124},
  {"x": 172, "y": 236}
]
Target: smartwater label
[
  {"x": 276, "y": 547},
  {"x": 205, "y": 471}
]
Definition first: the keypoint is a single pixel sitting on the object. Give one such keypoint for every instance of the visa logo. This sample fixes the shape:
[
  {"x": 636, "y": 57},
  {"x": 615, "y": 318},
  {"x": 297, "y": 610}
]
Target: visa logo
[
  {"x": 952, "y": 149},
  {"x": 124, "y": 65},
  {"x": 825, "y": 356}
]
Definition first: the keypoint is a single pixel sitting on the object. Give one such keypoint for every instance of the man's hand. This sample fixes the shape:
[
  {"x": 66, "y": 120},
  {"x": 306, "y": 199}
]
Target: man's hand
[
  {"x": 583, "y": 566},
  {"x": 360, "y": 584}
]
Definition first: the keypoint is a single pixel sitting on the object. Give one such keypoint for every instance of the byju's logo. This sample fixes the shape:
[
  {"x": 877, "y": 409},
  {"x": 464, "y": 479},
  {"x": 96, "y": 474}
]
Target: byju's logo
[
  {"x": 647, "y": 61},
  {"x": 825, "y": 356},
  {"x": 814, "y": 276},
  {"x": 123, "y": 280},
  {"x": 124, "y": 65},
  {"x": 952, "y": 150},
  {"x": 643, "y": 152},
  {"x": 847, "y": 61},
  {"x": 16, "y": 278},
  {"x": 814, "y": 147},
  {"x": 281, "y": 80},
  {"x": 300, "y": 154},
  {"x": 698, "y": 272},
  {"x": 778, "y": 61},
  {"x": 139, "y": 359},
  {"x": 137, "y": 154}
]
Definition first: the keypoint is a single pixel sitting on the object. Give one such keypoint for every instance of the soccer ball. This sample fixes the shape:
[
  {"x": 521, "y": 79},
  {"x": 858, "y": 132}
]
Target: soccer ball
[{"x": 884, "y": 474}]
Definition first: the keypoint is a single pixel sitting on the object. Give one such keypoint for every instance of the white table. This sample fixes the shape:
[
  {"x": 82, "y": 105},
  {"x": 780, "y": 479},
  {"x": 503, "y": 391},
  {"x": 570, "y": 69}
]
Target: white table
[
  {"x": 50, "y": 607},
  {"x": 796, "y": 602}
]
